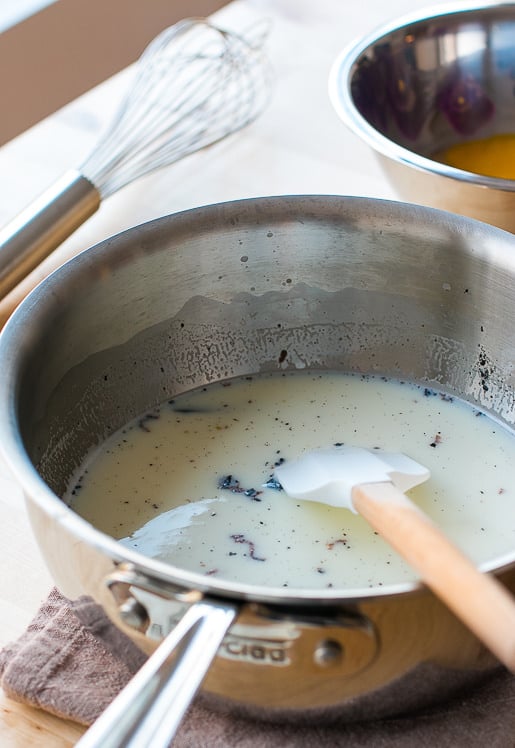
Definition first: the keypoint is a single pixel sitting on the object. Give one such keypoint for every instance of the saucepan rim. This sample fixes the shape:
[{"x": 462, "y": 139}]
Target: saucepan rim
[{"x": 16, "y": 336}]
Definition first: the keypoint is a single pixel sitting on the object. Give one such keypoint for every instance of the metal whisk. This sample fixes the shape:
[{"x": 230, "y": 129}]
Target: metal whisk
[{"x": 194, "y": 85}]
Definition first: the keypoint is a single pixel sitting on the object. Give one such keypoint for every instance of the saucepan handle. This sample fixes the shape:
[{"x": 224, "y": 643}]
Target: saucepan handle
[{"x": 147, "y": 713}]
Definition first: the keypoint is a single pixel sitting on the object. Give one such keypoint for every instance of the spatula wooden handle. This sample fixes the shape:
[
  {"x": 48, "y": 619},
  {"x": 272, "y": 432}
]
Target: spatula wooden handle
[{"x": 478, "y": 599}]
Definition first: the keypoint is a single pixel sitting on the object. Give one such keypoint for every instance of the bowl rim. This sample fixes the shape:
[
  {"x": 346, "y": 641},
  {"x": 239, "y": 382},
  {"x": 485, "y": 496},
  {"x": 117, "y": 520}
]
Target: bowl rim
[{"x": 339, "y": 81}]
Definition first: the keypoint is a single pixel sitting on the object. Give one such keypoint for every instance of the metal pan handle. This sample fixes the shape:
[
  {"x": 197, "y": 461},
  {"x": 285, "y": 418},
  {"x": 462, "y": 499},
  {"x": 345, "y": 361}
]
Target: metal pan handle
[{"x": 147, "y": 713}]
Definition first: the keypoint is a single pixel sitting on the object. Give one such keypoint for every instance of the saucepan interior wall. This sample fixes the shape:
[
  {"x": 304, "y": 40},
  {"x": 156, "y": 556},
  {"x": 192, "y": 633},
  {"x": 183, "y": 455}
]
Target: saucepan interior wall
[{"x": 251, "y": 287}]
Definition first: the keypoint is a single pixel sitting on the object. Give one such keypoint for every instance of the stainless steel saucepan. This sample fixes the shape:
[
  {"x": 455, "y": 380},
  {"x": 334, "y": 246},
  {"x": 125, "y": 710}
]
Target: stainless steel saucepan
[{"x": 351, "y": 284}]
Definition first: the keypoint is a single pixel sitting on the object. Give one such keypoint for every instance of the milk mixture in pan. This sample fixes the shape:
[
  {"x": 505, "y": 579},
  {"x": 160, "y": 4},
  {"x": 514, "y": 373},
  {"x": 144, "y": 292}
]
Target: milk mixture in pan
[{"x": 189, "y": 483}]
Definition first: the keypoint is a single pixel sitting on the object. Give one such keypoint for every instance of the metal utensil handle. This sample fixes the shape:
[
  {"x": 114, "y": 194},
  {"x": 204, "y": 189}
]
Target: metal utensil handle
[
  {"x": 148, "y": 711},
  {"x": 43, "y": 226}
]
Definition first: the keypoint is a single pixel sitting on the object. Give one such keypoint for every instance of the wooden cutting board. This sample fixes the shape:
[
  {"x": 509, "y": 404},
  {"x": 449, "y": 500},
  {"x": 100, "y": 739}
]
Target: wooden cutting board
[{"x": 25, "y": 727}]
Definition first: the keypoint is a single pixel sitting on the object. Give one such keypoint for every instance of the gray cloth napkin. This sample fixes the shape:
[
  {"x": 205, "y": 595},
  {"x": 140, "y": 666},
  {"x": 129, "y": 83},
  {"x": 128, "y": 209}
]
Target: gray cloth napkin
[{"x": 72, "y": 661}]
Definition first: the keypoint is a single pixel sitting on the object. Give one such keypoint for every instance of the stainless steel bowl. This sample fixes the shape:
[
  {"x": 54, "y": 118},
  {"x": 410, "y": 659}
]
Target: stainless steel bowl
[{"x": 424, "y": 83}]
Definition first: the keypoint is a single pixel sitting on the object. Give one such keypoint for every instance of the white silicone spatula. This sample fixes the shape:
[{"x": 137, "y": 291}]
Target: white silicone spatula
[{"x": 372, "y": 483}]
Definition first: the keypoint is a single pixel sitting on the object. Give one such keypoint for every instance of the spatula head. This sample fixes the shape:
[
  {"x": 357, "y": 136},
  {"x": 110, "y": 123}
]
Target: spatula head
[{"x": 329, "y": 475}]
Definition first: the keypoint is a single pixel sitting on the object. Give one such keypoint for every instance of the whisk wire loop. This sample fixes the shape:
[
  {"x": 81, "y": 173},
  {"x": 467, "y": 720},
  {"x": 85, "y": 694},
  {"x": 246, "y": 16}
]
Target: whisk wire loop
[{"x": 194, "y": 85}]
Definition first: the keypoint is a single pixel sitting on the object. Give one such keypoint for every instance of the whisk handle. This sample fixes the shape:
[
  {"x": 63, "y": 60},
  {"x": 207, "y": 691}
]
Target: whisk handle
[{"x": 43, "y": 225}]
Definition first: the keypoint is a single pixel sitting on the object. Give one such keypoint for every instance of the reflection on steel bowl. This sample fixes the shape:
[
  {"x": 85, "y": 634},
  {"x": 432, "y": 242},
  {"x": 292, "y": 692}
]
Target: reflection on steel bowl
[{"x": 425, "y": 83}]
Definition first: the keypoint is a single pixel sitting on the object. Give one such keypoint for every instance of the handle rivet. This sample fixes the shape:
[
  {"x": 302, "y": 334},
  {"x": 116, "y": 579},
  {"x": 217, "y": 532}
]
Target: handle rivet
[
  {"x": 133, "y": 613},
  {"x": 328, "y": 652}
]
